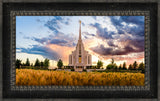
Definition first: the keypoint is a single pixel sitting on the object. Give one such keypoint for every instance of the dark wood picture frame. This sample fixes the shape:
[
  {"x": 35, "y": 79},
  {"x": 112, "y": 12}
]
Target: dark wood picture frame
[{"x": 149, "y": 10}]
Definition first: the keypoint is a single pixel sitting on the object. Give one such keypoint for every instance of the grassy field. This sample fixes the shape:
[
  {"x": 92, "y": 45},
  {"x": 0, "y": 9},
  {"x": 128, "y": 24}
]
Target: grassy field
[{"x": 45, "y": 77}]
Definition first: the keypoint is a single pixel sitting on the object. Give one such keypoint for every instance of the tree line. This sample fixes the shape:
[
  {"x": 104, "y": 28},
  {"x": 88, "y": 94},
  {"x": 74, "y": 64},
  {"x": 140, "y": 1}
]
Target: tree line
[
  {"x": 41, "y": 64},
  {"x": 112, "y": 65}
]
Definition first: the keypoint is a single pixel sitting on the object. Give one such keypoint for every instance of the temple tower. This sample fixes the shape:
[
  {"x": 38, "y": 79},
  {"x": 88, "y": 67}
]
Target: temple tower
[{"x": 80, "y": 58}]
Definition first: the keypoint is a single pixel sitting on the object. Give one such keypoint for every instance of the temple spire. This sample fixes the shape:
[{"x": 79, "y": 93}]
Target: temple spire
[{"x": 79, "y": 29}]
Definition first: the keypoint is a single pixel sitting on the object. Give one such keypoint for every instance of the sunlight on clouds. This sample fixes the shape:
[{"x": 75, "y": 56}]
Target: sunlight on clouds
[
  {"x": 123, "y": 23},
  {"x": 91, "y": 30},
  {"x": 91, "y": 43},
  {"x": 132, "y": 25},
  {"x": 63, "y": 51},
  {"x": 105, "y": 22}
]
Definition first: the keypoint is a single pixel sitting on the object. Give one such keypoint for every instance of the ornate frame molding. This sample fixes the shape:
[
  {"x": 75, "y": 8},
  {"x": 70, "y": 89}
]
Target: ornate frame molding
[{"x": 11, "y": 8}]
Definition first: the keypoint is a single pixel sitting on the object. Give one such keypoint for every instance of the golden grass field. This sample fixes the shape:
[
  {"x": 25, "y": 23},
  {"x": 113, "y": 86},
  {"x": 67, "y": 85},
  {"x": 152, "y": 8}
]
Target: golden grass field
[{"x": 45, "y": 77}]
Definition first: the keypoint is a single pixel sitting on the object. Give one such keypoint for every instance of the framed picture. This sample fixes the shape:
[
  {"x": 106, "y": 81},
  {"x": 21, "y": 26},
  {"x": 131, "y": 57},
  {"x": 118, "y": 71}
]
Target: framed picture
[{"x": 80, "y": 50}]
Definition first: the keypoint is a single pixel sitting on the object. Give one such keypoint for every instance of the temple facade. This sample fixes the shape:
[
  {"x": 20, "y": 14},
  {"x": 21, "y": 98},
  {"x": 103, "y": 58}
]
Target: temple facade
[{"x": 80, "y": 58}]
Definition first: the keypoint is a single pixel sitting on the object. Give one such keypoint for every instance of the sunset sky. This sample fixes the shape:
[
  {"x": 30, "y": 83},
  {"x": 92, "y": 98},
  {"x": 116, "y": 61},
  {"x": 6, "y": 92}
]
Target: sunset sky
[{"x": 105, "y": 37}]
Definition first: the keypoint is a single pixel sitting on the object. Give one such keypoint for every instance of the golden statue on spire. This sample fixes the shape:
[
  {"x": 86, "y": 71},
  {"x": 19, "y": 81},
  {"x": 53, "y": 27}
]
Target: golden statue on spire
[{"x": 80, "y": 21}]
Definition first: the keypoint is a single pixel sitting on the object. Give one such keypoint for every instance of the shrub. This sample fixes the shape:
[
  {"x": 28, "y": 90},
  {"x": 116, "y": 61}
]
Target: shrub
[
  {"x": 84, "y": 70},
  {"x": 72, "y": 69},
  {"x": 60, "y": 64},
  {"x": 99, "y": 64},
  {"x": 110, "y": 66},
  {"x": 143, "y": 71}
]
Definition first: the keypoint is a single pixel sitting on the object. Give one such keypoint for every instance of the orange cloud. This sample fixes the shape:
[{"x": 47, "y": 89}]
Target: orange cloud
[{"x": 62, "y": 51}]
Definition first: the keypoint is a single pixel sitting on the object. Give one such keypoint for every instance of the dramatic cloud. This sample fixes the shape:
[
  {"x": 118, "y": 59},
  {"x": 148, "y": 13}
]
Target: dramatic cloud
[
  {"x": 131, "y": 24},
  {"x": 131, "y": 46},
  {"x": 59, "y": 39},
  {"x": 129, "y": 37},
  {"x": 40, "y": 50},
  {"x": 62, "y": 51},
  {"x": 55, "y": 23},
  {"x": 110, "y": 43},
  {"x": 102, "y": 32}
]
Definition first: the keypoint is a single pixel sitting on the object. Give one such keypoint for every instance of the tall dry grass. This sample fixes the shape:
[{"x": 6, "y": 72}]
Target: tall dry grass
[{"x": 44, "y": 77}]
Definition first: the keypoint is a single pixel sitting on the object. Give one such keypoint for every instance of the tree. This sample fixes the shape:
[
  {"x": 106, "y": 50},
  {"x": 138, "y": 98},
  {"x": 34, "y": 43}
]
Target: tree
[
  {"x": 112, "y": 65},
  {"x": 31, "y": 64},
  {"x": 99, "y": 64},
  {"x": 18, "y": 63},
  {"x": 135, "y": 65},
  {"x": 141, "y": 66},
  {"x": 109, "y": 66},
  {"x": 130, "y": 67},
  {"x": 60, "y": 63},
  {"x": 120, "y": 67},
  {"x": 46, "y": 63},
  {"x": 124, "y": 66},
  {"x": 23, "y": 64},
  {"x": 41, "y": 64},
  {"x": 37, "y": 63},
  {"x": 112, "y": 61},
  {"x": 115, "y": 67},
  {"x": 27, "y": 62}
]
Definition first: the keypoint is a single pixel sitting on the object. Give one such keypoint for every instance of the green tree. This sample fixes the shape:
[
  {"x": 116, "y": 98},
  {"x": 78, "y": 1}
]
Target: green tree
[
  {"x": 46, "y": 63},
  {"x": 37, "y": 63},
  {"x": 27, "y": 62},
  {"x": 41, "y": 64},
  {"x": 18, "y": 63},
  {"x": 99, "y": 64},
  {"x": 112, "y": 65},
  {"x": 130, "y": 67},
  {"x": 31, "y": 64},
  {"x": 141, "y": 66},
  {"x": 115, "y": 67},
  {"x": 120, "y": 67},
  {"x": 23, "y": 64},
  {"x": 135, "y": 65},
  {"x": 109, "y": 66},
  {"x": 124, "y": 66},
  {"x": 60, "y": 63},
  {"x": 112, "y": 61}
]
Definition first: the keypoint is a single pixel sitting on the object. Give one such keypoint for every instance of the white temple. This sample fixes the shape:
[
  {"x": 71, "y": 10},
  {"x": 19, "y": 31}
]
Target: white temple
[{"x": 80, "y": 58}]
